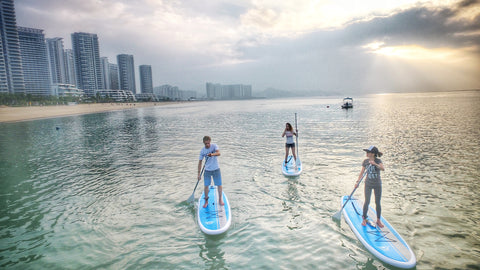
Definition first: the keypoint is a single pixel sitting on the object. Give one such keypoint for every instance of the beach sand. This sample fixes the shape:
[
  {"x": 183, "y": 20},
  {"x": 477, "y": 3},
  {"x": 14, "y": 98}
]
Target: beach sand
[{"x": 15, "y": 114}]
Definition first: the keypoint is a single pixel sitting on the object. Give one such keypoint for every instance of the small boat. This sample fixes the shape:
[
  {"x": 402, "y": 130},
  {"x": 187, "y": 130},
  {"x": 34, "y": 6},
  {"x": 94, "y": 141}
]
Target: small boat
[{"x": 347, "y": 103}]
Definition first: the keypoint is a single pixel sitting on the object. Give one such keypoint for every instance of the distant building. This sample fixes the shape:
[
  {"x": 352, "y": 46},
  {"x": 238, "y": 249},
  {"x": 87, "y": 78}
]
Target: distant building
[
  {"x": 105, "y": 72},
  {"x": 34, "y": 61},
  {"x": 173, "y": 93},
  {"x": 167, "y": 91},
  {"x": 11, "y": 72},
  {"x": 146, "y": 80},
  {"x": 126, "y": 72},
  {"x": 86, "y": 52},
  {"x": 117, "y": 95},
  {"x": 70, "y": 74},
  {"x": 113, "y": 76},
  {"x": 64, "y": 90},
  {"x": 56, "y": 60},
  {"x": 146, "y": 97},
  {"x": 233, "y": 91}
]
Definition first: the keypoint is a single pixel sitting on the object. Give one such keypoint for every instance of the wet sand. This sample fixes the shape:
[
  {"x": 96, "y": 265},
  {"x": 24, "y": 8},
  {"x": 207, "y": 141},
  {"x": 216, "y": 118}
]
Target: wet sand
[{"x": 27, "y": 113}]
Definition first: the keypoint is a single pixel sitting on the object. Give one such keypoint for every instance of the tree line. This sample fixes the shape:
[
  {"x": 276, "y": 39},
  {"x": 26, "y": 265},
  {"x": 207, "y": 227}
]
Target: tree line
[{"x": 21, "y": 99}]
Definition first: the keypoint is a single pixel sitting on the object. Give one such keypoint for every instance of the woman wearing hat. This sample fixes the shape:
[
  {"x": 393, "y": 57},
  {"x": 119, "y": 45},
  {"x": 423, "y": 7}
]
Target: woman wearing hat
[{"x": 373, "y": 165}]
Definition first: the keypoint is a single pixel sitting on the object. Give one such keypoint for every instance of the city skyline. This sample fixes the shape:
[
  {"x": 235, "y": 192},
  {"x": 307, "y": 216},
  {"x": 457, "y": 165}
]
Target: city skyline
[{"x": 346, "y": 46}]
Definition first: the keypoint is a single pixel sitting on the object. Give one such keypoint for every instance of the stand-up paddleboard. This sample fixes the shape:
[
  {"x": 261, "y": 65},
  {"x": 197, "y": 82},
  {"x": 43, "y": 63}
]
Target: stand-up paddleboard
[
  {"x": 385, "y": 243},
  {"x": 215, "y": 218},
  {"x": 290, "y": 169}
]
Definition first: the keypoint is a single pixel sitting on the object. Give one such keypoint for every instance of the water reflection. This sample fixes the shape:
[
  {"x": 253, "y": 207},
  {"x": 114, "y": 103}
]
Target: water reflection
[{"x": 211, "y": 252}]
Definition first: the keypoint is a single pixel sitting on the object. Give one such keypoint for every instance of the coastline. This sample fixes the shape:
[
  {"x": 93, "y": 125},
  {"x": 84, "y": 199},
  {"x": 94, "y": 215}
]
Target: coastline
[{"x": 28, "y": 113}]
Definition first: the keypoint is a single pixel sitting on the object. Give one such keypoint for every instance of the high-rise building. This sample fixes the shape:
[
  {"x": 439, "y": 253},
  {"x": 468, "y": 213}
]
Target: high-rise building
[
  {"x": 146, "y": 81},
  {"x": 86, "y": 52},
  {"x": 56, "y": 60},
  {"x": 34, "y": 61},
  {"x": 126, "y": 72},
  {"x": 232, "y": 91},
  {"x": 114, "y": 81},
  {"x": 11, "y": 72},
  {"x": 70, "y": 74},
  {"x": 105, "y": 72}
]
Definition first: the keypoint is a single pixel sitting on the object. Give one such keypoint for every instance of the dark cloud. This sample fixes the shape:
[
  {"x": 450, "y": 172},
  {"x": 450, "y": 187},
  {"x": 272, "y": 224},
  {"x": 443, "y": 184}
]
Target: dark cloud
[{"x": 334, "y": 60}]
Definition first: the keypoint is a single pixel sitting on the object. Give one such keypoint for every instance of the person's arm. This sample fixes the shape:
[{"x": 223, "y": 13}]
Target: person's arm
[
  {"x": 359, "y": 177},
  {"x": 378, "y": 165},
  {"x": 199, "y": 168},
  {"x": 216, "y": 153},
  {"x": 283, "y": 134}
]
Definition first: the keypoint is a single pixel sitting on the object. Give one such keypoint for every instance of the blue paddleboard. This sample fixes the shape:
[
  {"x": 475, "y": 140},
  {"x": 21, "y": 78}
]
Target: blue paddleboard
[
  {"x": 289, "y": 169},
  {"x": 385, "y": 243},
  {"x": 215, "y": 218}
]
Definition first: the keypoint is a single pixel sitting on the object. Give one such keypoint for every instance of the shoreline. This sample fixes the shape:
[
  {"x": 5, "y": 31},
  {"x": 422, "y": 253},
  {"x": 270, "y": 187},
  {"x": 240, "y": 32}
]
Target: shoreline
[{"x": 30, "y": 113}]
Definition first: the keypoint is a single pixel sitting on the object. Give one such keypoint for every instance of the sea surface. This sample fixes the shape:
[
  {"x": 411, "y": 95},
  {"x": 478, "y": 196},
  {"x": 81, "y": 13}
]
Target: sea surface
[{"x": 110, "y": 190}]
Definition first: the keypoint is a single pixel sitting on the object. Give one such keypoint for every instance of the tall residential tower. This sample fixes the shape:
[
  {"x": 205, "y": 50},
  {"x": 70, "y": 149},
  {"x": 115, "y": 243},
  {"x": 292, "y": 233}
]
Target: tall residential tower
[
  {"x": 86, "y": 52},
  {"x": 126, "y": 71},
  {"x": 11, "y": 73},
  {"x": 146, "y": 81},
  {"x": 56, "y": 58},
  {"x": 34, "y": 61}
]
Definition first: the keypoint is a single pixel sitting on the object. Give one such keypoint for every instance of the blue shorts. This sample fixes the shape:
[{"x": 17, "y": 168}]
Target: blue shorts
[{"x": 217, "y": 177}]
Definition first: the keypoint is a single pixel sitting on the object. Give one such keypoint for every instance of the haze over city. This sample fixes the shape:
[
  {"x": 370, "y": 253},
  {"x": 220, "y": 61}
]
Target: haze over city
[{"x": 346, "y": 47}]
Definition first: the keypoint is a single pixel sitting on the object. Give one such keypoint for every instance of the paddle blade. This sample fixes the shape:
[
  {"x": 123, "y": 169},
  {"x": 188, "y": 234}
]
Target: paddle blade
[
  {"x": 337, "y": 216},
  {"x": 192, "y": 198}
]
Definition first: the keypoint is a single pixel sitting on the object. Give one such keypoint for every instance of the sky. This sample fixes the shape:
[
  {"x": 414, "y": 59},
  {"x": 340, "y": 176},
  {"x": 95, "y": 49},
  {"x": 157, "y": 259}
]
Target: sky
[{"x": 322, "y": 46}]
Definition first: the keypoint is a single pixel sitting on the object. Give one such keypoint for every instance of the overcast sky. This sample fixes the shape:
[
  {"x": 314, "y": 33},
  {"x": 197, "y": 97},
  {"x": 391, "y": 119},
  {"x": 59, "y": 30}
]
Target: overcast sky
[{"x": 345, "y": 46}]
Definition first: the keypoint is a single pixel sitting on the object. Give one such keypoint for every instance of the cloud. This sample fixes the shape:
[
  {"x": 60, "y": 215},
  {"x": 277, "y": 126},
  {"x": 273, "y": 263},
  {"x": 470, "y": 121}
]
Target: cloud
[{"x": 296, "y": 45}]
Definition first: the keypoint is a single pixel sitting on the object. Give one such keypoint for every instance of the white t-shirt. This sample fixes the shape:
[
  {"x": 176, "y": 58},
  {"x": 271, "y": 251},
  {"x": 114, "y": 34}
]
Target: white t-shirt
[
  {"x": 212, "y": 162},
  {"x": 289, "y": 135}
]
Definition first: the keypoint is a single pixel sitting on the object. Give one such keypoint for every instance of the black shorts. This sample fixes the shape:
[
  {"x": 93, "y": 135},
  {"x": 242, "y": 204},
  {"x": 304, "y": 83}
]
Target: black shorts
[{"x": 290, "y": 145}]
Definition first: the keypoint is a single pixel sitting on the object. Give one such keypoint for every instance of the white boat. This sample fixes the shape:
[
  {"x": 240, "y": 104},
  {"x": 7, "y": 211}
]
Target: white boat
[{"x": 347, "y": 103}]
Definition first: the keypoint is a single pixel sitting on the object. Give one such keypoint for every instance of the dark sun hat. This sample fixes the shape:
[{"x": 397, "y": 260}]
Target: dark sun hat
[{"x": 372, "y": 149}]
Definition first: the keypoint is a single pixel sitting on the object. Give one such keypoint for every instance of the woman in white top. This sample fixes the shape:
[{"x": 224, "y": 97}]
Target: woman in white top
[{"x": 290, "y": 143}]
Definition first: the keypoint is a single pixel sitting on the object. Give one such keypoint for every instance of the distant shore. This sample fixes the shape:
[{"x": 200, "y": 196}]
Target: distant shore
[{"x": 27, "y": 113}]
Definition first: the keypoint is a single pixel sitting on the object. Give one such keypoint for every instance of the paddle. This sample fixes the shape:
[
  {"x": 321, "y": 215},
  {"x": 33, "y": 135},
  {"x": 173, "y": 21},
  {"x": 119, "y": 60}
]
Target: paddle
[
  {"x": 296, "y": 131},
  {"x": 192, "y": 197},
  {"x": 338, "y": 215}
]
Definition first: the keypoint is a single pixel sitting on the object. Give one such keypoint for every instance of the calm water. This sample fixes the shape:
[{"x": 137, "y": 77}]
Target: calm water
[{"x": 109, "y": 190}]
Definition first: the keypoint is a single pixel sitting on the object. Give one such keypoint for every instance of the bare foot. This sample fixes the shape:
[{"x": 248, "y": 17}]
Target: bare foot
[
  {"x": 379, "y": 223},
  {"x": 206, "y": 203},
  {"x": 221, "y": 203},
  {"x": 364, "y": 222}
]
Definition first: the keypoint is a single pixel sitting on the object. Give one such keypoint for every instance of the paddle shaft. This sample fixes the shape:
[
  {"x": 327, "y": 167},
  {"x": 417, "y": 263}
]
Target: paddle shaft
[
  {"x": 296, "y": 131},
  {"x": 198, "y": 180},
  {"x": 351, "y": 194}
]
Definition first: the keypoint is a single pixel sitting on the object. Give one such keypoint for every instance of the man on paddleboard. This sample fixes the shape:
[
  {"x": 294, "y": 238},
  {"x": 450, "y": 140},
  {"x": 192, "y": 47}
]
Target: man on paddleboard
[
  {"x": 373, "y": 182},
  {"x": 210, "y": 152}
]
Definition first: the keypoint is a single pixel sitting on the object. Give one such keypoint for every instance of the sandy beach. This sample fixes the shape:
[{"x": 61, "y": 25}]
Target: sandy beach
[{"x": 15, "y": 114}]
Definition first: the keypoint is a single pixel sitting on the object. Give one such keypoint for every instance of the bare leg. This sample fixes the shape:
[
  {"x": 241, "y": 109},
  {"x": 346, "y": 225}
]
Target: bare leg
[
  {"x": 379, "y": 223},
  {"x": 286, "y": 155},
  {"x": 294, "y": 154},
  {"x": 220, "y": 200},
  {"x": 205, "y": 190}
]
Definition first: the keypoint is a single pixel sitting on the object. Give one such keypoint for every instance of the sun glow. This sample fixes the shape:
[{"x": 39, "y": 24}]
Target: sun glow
[{"x": 412, "y": 52}]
